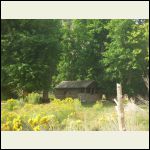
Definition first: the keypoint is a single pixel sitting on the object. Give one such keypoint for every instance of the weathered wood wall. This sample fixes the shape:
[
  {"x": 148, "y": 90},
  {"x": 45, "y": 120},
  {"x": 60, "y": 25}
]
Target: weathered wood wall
[
  {"x": 86, "y": 97},
  {"x": 82, "y": 94}
]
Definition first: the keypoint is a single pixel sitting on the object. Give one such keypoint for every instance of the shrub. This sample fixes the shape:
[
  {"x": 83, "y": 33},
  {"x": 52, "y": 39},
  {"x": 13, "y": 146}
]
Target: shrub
[
  {"x": 63, "y": 108},
  {"x": 6, "y": 126},
  {"x": 98, "y": 105},
  {"x": 17, "y": 124},
  {"x": 34, "y": 98},
  {"x": 38, "y": 123},
  {"x": 136, "y": 121},
  {"x": 71, "y": 124},
  {"x": 68, "y": 101},
  {"x": 77, "y": 104},
  {"x": 21, "y": 102},
  {"x": 28, "y": 106},
  {"x": 68, "y": 114},
  {"x": 62, "y": 112},
  {"x": 12, "y": 104},
  {"x": 12, "y": 122},
  {"x": 51, "y": 96}
]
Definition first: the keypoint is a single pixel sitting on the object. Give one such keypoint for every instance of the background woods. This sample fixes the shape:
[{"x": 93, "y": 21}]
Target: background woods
[{"x": 38, "y": 54}]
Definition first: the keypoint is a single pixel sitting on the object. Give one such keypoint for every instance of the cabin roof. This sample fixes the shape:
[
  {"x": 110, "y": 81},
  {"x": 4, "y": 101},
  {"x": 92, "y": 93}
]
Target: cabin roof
[{"x": 74, "y": 84}]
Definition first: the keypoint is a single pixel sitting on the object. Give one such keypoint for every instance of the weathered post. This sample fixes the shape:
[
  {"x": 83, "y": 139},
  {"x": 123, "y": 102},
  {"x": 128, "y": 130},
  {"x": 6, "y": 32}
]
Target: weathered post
[{"x": 120, "y": 108}]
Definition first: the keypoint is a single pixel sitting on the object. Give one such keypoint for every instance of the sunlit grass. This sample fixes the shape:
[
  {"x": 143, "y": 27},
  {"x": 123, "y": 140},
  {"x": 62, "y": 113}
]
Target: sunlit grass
[{"x": 68, "y": 115}]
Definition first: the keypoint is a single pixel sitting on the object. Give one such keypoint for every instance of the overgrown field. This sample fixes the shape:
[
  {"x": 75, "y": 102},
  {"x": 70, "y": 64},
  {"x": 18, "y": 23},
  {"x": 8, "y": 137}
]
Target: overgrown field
[{"x": 67, "y": 115}]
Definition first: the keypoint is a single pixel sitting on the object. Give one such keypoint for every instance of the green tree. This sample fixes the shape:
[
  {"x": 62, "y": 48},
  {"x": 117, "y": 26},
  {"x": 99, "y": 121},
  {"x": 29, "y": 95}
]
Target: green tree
[
  {"x": 29, "y": 51},
  {"x": 126, "y": 55},
  {"x": 82, "y": 46}
]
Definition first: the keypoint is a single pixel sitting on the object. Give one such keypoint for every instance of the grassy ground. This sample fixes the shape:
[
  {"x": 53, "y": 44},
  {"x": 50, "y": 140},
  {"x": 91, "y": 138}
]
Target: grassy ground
[{"x": 68, "y": 115}]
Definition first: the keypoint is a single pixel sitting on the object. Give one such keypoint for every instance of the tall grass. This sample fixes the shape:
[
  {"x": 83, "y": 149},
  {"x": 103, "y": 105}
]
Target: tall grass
[
  {"x": 69, "y": 115},
  {"x": 34, "y": 98}
]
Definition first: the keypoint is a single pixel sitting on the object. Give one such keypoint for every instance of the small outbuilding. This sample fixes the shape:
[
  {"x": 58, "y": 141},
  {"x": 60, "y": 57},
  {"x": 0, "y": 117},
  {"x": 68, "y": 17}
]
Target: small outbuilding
[{"x": 85, "y": 90}]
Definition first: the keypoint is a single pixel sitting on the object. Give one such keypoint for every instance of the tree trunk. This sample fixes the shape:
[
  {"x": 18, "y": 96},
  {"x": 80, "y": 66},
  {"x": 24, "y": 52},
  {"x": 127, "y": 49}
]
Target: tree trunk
[
  {"x": 120, "y": 108},
  {"x": 24, "y": 94},
  {"x": 45, "y": 96}
]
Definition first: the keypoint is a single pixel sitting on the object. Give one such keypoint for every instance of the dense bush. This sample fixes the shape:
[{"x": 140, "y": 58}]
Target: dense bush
[
  {"x": 98, "y": 105},
  {"x": 12, "y": 104},
  {"x": 34, "y": 98}
]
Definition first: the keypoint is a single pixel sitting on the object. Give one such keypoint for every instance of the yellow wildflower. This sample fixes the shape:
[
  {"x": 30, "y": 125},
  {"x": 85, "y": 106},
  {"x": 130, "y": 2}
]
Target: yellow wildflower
[
  {"x": 6, "y": 126},
  {"x": 17, "y": 126},
  {"x": 37, "y": 128},
  {"x": 44, "y": 120}
]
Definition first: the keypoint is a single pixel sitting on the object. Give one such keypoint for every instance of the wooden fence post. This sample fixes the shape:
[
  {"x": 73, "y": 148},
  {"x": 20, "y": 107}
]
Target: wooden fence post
[{"x": 120, "y": 108}]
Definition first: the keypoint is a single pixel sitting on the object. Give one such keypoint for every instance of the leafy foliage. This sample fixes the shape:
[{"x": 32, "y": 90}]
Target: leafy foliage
[
  {"x": 38, "y": 54},
  {"x": 82, "y": 45},
  {"x": 29, "y": 53},
  {"x": 126, "y": 57}
]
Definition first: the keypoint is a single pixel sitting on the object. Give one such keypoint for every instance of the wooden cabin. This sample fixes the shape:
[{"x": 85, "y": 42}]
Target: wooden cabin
[{"x": 85, "y": 90}]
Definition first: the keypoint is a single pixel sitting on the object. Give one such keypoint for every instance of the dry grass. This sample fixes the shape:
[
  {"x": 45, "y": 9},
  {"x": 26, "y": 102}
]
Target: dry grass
[{"x": 69, "y": 115}]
